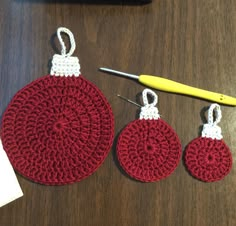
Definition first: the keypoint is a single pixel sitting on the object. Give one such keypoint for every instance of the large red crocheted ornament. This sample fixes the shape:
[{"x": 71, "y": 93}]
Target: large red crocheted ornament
[
  {"x": 58, "y": 130},
  {"x": 208, "y": 158},
  {"x": 148, "y": 149}
]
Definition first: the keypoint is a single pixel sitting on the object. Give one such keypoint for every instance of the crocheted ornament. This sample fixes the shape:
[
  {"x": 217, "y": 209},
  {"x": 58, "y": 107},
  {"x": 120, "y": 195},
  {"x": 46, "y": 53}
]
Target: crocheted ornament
[
  {"x": 58, "y": 129},
  {"x": 208, "y": 158},
  {"x": 148, "y": 149}
]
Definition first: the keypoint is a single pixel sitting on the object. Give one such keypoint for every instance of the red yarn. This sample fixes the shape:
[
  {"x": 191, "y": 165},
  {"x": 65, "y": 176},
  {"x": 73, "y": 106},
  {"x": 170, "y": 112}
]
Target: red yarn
[
  {"x": 208, "y": 159},
  {"x": 148, "y": 150},
  {"x": 58, "y": 130}
]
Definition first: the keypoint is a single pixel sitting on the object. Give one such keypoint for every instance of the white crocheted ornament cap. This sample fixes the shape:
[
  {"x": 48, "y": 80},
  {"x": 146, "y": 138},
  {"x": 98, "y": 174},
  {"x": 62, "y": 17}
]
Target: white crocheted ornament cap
[
  {"x": 149, "y": 110},
  {"x": 211, "y": 129},
  {"x": 65, "y": 64}
]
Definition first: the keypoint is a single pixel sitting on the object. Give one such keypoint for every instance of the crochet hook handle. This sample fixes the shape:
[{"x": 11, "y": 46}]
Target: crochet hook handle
[{"x": 176, "y": 87}]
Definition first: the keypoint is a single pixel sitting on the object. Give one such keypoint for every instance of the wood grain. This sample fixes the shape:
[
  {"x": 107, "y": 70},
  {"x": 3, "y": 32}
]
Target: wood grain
[{"x": 193, "y": 42}]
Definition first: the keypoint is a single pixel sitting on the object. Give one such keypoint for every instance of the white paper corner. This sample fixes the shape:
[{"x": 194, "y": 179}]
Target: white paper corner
[{"x": 10, "y": 189}]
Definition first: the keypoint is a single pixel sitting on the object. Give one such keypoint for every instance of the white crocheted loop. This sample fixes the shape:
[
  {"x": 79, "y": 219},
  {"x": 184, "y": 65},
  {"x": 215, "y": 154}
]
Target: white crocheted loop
[
  {"x": 63, "y": 46},
  {"x": 216, "y": 108},
  {"x": 145, "y": 97},
  {"x": 149, "y": 111},
  {"x": 210, "y": 129},
  {"x": 65, "y": 64}
]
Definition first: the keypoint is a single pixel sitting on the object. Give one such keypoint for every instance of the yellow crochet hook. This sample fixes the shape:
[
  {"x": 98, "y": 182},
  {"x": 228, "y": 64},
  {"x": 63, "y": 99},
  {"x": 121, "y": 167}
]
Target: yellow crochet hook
[{"x": 176, "y": 87}]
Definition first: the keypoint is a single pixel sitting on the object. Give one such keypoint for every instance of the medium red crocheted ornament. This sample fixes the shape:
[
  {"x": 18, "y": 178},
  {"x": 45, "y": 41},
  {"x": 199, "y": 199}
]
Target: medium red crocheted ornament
[
  {"x": 58, "y": 130},
  {"x": 148, "y": 149},
  {"x": 208, "y": 158}
]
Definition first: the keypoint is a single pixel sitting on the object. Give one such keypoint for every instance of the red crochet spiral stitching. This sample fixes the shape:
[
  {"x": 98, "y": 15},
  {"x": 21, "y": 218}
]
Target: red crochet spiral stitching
[
  {"x": 148, "y": 150},
  {"x": 58, "y": 130},
  {"x": 208, "y": 159}
]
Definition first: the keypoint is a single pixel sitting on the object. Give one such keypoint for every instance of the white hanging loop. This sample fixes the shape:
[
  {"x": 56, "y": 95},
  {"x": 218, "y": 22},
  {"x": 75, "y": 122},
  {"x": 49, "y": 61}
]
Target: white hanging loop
[
  {"x": 216, "y": 108},
  {"x": 149, "y": 111},
  {"x": 210, "y": 129},
  {"x": 145, "y": 97},
  {"x": 63, "y": 46},
  {"x": 65, "y": 64}
]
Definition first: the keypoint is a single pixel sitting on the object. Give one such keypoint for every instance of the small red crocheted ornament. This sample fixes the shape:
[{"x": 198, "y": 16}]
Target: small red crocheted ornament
[
  {"x": 58, "y": 129},
  {"x": 148, "y": 149},
  {"x": 208, "y": 158}
]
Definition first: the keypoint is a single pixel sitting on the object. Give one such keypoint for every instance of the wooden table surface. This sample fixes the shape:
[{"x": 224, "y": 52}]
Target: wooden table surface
[{"x": 193, "y": 42}]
